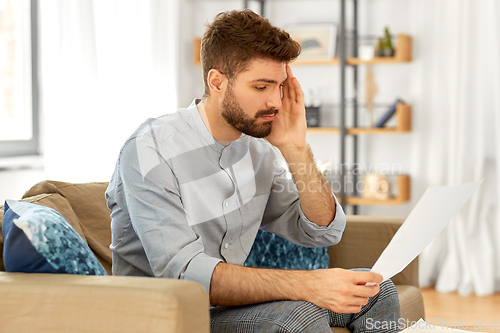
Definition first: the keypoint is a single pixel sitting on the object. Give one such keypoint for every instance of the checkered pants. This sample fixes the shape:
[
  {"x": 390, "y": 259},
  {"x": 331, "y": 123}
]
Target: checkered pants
[{"x": 381, "y": 314}]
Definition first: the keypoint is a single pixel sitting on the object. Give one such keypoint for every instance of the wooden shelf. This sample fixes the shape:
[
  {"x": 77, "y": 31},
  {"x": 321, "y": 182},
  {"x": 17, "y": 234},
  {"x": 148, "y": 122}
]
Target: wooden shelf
[
  {"x": 403, "y": 186},
  {"x": 403, "y": 54},
  {"x": 196, "y": 51},
  {"x": 403, "y": 125}
]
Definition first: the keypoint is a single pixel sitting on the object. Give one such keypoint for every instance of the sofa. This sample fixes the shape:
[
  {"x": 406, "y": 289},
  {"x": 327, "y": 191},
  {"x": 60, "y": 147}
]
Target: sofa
[{"x": 77, "y": 303}]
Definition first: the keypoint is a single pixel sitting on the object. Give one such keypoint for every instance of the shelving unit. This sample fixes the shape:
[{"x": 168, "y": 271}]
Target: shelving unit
[
  {"x": 403, "y": 54},
  {"x": 402, "y": 190},
  {"x": 403, "y": 125}
]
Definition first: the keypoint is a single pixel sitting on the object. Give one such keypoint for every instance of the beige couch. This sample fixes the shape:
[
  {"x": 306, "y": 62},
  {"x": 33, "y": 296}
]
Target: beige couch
[{"x": 72, "y": 303}]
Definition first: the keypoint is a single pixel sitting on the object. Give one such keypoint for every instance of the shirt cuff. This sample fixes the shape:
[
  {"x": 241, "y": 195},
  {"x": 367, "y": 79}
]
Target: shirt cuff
[
  {"x": 200, "y": 270},
  {"x": 338, "y": 222}
]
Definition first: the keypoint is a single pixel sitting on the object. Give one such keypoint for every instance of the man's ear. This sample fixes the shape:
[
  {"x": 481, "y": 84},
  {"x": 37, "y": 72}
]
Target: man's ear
[{"x": 216, "y": 81}]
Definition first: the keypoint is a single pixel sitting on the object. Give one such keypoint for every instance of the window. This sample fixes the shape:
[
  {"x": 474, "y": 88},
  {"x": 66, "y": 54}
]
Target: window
[{"x": 18, "y": 78}]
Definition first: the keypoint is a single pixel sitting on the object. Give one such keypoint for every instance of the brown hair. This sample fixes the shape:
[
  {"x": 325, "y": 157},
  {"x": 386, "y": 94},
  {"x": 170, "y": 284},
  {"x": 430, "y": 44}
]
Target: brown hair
[{"x": 236, "y": 37}]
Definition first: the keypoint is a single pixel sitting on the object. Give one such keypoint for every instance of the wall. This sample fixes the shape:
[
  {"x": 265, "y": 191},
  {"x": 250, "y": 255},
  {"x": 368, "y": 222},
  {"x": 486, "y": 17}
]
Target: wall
[
  {"x": 13, "y": 183},
  {"x": 375, "y": 151}
]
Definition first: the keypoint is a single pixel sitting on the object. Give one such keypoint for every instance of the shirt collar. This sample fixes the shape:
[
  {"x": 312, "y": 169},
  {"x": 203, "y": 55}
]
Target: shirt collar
[
  {"x": 204, "y": 129},
  {"x": 200, "y": 126}
]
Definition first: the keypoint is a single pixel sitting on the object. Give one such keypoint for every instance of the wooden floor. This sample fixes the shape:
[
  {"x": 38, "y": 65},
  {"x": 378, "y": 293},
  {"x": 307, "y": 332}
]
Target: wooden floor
[{"x": 465, "y": 311}]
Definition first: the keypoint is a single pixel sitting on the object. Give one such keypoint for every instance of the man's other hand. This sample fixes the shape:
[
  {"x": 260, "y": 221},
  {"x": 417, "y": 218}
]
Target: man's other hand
[{"x": 340, "y": 290}]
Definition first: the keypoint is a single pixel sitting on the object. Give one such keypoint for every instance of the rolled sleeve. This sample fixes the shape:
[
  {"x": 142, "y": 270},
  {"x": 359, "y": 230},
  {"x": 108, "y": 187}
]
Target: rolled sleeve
[
  {"x": 284, "y": 217},
  {"x": 332, "y": 231},
  {"x": 200, "y": 270}
]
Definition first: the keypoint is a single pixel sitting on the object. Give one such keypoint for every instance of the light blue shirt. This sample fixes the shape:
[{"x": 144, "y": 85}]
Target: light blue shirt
[{"x": 181, "y": 202}]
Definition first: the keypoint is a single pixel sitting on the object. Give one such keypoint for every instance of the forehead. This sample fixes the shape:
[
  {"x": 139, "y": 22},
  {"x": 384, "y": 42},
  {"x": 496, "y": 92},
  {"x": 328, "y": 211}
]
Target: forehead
[{"x": 264, "y": 69}]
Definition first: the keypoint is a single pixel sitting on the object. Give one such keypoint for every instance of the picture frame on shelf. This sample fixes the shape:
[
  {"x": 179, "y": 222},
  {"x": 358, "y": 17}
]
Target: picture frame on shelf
[{"x": 317, "y": 40}]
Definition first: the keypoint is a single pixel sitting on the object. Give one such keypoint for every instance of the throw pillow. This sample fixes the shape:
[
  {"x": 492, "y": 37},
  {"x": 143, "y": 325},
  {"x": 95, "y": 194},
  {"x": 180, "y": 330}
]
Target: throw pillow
[
  {"x": 271, "y": 251},
  {"x": 38, "y": 239}
]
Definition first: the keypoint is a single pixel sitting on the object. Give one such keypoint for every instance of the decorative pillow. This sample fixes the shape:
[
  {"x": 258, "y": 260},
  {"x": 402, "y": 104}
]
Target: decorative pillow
[
  {"x": 38, "y": 239},
  {"x": 271, "y": 251}
]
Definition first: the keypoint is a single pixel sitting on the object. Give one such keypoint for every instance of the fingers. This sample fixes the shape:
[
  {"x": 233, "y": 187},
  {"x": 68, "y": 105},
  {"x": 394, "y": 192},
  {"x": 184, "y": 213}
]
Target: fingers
[
  {"x": 356, "y": 301},
  {"x": 348, "y": 309},
  {"x": 352, "y": 304},
  {"x": 299, "y": 94},
  {"x": 366, "y": 291},
  {"x": 362, "y": 277},
  {"x": 289, "y": 86},
  {"x": 357, "y": 294},
  {"x": 292, "y": 88},
  {"x": 368, "y": 283},
  {"x": 345, "y": 291},
  {"x": 285, "y": 90}
]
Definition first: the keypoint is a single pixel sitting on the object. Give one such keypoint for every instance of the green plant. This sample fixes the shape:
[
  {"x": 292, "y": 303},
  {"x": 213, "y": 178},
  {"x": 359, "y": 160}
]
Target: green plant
[
  {"x": 388, "y": 39},
  {"x": 381, "y": 43}
]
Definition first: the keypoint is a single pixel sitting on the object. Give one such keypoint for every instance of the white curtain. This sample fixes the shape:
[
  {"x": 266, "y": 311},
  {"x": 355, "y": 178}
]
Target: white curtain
[
  {"x": 106, "y": 66},
  {"x": 456, "y": 80}
]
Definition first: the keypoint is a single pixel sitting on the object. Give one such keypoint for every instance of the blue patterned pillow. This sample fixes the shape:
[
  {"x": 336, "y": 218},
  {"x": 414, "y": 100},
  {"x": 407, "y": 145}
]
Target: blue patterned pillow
[
  {"x": 271, "y": 251},
  {"x": 38, "y": 239}
]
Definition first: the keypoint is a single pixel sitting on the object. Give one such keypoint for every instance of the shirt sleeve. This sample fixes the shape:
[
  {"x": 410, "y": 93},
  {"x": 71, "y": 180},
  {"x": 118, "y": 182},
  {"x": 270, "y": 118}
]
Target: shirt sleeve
[
  {"x": 284, "y": 216},
  {"x": 152, "y": 198}
]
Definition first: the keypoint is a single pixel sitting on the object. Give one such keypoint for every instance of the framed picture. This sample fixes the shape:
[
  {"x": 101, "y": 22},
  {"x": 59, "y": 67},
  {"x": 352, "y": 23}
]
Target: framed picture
[{"x": 318, "y": 40}]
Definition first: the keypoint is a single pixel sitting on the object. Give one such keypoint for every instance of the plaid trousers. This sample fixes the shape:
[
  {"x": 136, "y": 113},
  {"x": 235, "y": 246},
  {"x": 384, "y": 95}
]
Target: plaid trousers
[{"x": 381, "y": 314}]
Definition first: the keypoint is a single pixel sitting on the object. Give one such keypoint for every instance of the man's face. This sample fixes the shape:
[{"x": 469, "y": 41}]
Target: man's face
[{"x": 253, "y": 97}]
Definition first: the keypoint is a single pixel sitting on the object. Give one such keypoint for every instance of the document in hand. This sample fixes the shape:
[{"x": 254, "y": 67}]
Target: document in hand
[
  {"x": 422, "y": 326},
  {"x": 430, "y": 216}
]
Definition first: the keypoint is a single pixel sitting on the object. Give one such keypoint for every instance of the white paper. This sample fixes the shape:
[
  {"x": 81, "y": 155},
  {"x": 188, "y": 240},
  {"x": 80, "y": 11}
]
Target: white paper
[
  {"x": 422, "y": 326},
  {"x": 430, "y": 216}
]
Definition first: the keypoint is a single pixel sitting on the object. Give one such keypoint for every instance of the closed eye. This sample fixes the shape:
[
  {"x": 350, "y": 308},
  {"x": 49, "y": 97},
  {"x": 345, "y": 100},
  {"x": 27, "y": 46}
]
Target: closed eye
[{"x": 260, "y": 88}]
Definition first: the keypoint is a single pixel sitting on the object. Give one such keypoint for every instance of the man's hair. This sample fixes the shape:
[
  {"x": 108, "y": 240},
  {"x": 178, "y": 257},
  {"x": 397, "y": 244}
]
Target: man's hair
[{"x": 236, "y": 37}]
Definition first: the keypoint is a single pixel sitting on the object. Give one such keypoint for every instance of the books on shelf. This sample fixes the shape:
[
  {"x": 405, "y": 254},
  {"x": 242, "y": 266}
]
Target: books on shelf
[{"x": 388, "y": 114}]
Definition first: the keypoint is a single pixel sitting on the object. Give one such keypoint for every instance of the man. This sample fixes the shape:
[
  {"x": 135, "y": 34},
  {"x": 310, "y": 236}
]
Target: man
[{"x": 191, "y": 189}]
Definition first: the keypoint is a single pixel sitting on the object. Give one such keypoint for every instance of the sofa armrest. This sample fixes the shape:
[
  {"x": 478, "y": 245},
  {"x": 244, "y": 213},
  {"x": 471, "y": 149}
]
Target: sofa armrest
[
  {"x": 364, "y": 239},
  {"x": 70, "y": 303}
]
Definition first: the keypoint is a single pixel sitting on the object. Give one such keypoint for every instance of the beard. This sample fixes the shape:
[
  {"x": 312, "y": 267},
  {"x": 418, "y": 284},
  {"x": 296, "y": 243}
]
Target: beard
[{"x": 235, "y": 116}]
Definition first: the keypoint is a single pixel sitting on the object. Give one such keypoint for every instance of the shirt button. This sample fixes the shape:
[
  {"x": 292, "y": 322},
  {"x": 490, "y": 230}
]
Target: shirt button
[
  {"x": 226, "y": 245},
  {"x": 226, "y": 204}
]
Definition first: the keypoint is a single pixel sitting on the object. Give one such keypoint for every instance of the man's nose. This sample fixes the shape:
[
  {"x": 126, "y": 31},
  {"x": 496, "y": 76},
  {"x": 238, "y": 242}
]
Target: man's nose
[{"x": 274, "y": 100}]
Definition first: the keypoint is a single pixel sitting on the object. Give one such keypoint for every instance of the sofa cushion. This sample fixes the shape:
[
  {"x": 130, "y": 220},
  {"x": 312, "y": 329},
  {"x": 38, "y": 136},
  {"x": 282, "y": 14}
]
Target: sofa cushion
[
  {"x": 62, "y": 303},
  {"x": 88, "y": 203},
  {"x": 39, "y": 240},
  {"x": 52, "y": 200},
  {"x": 271, "y": 251},
  {"x": 412, "y": 304}
]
